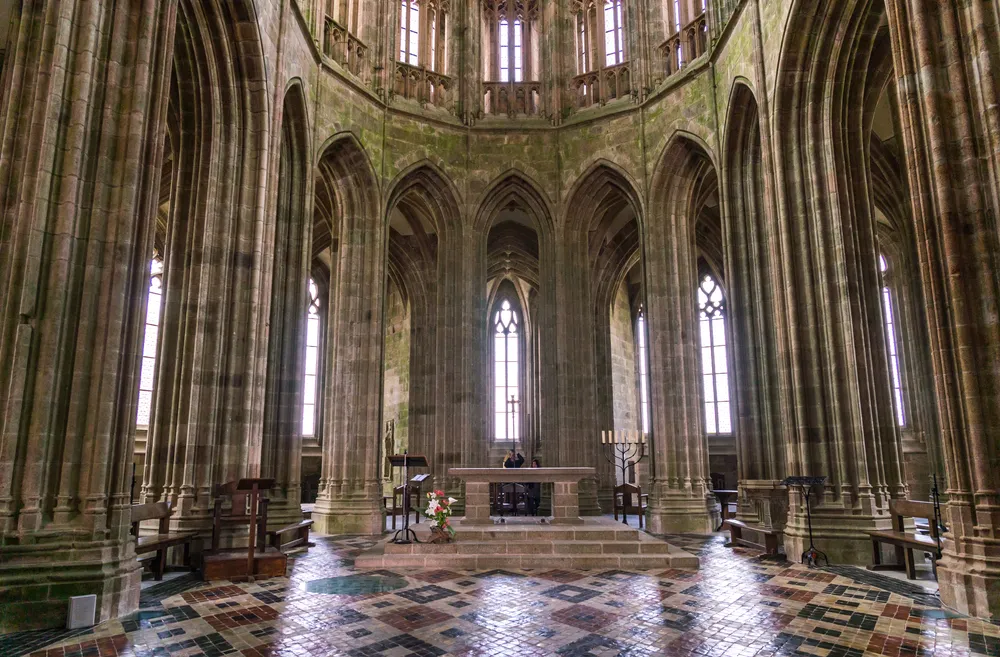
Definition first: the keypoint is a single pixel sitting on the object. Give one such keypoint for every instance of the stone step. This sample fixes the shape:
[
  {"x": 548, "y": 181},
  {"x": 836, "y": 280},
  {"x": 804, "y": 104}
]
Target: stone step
[
  {"x": 680, "y": 560},
  {"x": 532, "y": 547},
  {"x": 548, "y": 534}
]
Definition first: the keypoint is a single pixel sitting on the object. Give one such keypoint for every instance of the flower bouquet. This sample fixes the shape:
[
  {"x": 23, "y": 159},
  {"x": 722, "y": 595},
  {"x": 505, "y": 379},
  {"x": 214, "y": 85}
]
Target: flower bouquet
[{"x": 439, "y": 510}]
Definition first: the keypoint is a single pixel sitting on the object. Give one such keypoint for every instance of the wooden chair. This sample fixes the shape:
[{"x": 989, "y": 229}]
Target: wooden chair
[
  {"x": 163, "y": 539},
  {"x": 630, "y": 499},
  {"x": 397, "y": 502},
  {"x": 513, "y": 498},
  {"x": 905, "y": 542},
  {"x": 237, "y": 513},
  {"x": 718, "y": 481}
]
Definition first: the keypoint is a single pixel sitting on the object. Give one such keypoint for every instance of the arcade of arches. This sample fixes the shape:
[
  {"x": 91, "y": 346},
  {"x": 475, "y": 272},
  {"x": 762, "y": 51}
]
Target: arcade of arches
[{"x": 285, "y": 239}]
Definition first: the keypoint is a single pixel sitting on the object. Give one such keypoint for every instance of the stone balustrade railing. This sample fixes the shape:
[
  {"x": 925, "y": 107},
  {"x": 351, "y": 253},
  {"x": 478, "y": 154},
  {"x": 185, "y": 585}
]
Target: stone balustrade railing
[
  {"x": 419, "y": 84},
  {"x": 512, "y": 98},
  {"x": 598, "y": 87},
  {"x": 346, "y": 49},
  {"x": 685, "y": 46}
]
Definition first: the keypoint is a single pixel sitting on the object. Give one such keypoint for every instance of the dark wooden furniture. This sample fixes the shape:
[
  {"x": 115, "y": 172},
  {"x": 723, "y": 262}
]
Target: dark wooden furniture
[
  {"x": 397, "y": 508},
  {"x": 630, "y": 499},
  {"x": 718, "y": 480},
  {"x": 905, "y": 542},
  {"x": 247, "y": 507},
  {"x": 769, "y": 543},
  {"x": 724, "y": 497},
  {"x": 163, "y": 539},
  {"x": 291, "y": 536}
]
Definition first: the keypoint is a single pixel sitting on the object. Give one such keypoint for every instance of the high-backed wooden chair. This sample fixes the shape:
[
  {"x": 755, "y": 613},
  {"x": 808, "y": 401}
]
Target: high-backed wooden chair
[
  {"x": 630, "y": 499},
  {"x": 394, "y": 505},
  {"x": 718, "y": 481},
  {"x": 232, "y": 508}
]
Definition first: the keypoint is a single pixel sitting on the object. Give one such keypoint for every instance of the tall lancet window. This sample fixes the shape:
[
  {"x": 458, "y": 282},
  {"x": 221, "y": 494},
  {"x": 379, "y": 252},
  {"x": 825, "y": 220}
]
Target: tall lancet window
[
  {"x": 409, "y": 32},
  {"x": 714, "y": 360},
  {"x": 642, "y": 355},
  {"x": 511, "y": 54},
  {"x": 154, "y": 301},
  {"x": 888, "y": 315},
  {"x": 310, "y": 388},
  {"x": 506, "y": 361},
  {"x": 614, "y": 41}
]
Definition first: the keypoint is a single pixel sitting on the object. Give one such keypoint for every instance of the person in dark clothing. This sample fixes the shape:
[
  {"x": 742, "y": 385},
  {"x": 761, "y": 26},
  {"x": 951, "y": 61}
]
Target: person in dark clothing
[
  {"x": 534, "y": 492},
  {"x": 512, "y": 460}
]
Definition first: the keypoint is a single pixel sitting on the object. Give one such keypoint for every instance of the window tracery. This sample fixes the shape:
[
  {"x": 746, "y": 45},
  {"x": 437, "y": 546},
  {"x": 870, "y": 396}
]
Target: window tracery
[
  {"x": 506, "y": 364},
  {"x": 310, "y": 386},
  {"x": 151, "y": 337},
  {"x": 714, "y": 359},
  {"x": 643, "y": 358},
  {"x": 891, "y": 325}
]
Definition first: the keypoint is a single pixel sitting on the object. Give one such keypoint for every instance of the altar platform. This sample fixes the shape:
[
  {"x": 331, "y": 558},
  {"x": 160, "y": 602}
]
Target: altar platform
[{"x": 527, "y": 543}]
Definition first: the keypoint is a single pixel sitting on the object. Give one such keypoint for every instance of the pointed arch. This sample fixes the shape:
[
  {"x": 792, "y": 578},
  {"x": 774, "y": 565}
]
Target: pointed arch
[
  {"x": 429, "y": 186},
  {"x": 348, "y": 172},
  {"x": 514, "y": 186},
  {"x": 601, "y": 181}
]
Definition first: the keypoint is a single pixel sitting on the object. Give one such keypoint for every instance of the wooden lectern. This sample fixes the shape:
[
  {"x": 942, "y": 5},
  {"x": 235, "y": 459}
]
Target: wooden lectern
[
  {"x": 405, "y": 461},
  {"x": 250, "y": 508}
]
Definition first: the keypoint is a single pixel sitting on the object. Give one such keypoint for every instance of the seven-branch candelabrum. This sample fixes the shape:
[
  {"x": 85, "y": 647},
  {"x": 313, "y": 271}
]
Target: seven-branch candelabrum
[{"x": 623, "y": 448}]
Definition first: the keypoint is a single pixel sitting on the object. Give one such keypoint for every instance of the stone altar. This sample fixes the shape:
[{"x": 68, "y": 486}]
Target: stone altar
[{"x": 565, "y": 481}]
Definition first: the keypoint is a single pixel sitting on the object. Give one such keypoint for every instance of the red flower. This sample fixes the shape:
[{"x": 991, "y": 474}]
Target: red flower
[{"x": 439, "y": 493}]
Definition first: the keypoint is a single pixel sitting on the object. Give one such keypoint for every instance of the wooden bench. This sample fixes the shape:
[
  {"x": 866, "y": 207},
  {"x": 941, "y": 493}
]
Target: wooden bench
[
  {"x": 737, "y": 527},
  {"x": 291, "y": 536},
  {"x": 905, "y": 542},
  {"x": 163, "y": 539}
]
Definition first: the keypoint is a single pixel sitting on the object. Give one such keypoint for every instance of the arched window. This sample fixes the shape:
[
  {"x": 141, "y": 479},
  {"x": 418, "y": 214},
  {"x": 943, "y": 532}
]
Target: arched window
[
  {"x": 614, "y": 42},
  {"x": 583, "y": 61},
  {"x": 409, "y": 32},
  {"x": 309, "y": 390},
  {"x": 714, "y": 360},
  {"x": 506, "y": 358},
  {"x": 150, "y": 340},
  {"x": 641, "y": 355},
  {"x": 888, "y": 315},
  {"x": 511, "y": 55}
]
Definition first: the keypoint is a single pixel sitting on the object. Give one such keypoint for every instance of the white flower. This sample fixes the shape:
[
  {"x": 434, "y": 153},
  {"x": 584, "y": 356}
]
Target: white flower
[
  {"x": 451, "y": 500},
  {"x": 434, "y": 523}
]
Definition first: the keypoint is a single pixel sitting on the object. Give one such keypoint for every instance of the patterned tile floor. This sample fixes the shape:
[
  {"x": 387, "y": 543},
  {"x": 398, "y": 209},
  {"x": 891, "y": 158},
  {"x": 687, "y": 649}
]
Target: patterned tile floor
[{"x": 737, "y": 605}]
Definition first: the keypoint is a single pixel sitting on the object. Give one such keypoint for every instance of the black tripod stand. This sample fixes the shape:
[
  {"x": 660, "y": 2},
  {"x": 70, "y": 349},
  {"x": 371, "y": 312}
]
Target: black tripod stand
[
  {"x": 406, "y": 535},
  {"x": 812, "y": 555}
]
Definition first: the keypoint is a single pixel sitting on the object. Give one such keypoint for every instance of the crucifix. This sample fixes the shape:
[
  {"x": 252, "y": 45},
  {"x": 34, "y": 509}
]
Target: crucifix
[{"x": 513, "y": 418}]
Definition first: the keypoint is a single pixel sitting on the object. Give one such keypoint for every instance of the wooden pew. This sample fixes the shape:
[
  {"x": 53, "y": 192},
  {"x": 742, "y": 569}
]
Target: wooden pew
[
  {"x": 737, "y": 527},
  {"x": 904, "y": 541},
  {"x": 163, "y": 539},
  {"x": 291, "y": 536}
]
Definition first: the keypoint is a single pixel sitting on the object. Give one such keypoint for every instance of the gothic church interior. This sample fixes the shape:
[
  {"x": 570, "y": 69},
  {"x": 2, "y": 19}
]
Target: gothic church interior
[{"x": 281, "y": 241}]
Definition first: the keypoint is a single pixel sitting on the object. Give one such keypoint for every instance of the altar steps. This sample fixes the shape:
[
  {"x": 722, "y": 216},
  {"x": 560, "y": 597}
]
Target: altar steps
[{"x": 598, "y": 544}]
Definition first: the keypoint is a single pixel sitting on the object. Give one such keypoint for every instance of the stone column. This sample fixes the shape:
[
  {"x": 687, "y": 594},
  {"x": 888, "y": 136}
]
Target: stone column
[
  {"x": 842, "y": 420},
  {"x": 207, "y": 420},
  {"x": 81, "y": 139},
  {"x": 947, "y": 58},
  {"x": 579, "y": 435},
  {"x": 350, "y": 499},
  {"x": 680, "y": 499},
  {"x": 281, "y": 451}
]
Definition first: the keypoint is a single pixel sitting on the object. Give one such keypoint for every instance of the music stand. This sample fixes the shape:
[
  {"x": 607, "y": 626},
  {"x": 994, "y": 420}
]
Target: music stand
[
  {"x": 255, "y": 486},
  {"x": 404, "y": 461},
  {"x": 812, "y": 555}
]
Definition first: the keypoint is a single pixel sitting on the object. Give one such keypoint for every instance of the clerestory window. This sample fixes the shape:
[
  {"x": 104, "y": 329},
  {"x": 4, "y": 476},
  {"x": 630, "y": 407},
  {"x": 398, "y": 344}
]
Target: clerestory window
[
  {"x": 614, "y": 41},
  {"x": 643, "y": 358},
  {"x": 891, "y": 325}
]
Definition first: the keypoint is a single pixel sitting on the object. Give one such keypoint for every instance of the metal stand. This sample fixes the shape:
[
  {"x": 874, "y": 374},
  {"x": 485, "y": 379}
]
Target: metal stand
[
  {"x": 403, "y": 536},
  {"x": 812, "y": 555},
  {"x": 628, "y": 451}
]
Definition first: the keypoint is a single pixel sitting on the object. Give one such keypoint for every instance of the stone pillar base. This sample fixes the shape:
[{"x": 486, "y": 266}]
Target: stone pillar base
[
  {"x": 37, "y": 583},
  {"x": 674, "y": 514},
  {"x": 971, "y": 584},
  {"x": 348, "y": 515},
  {"x": 843, "y": 538}
]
